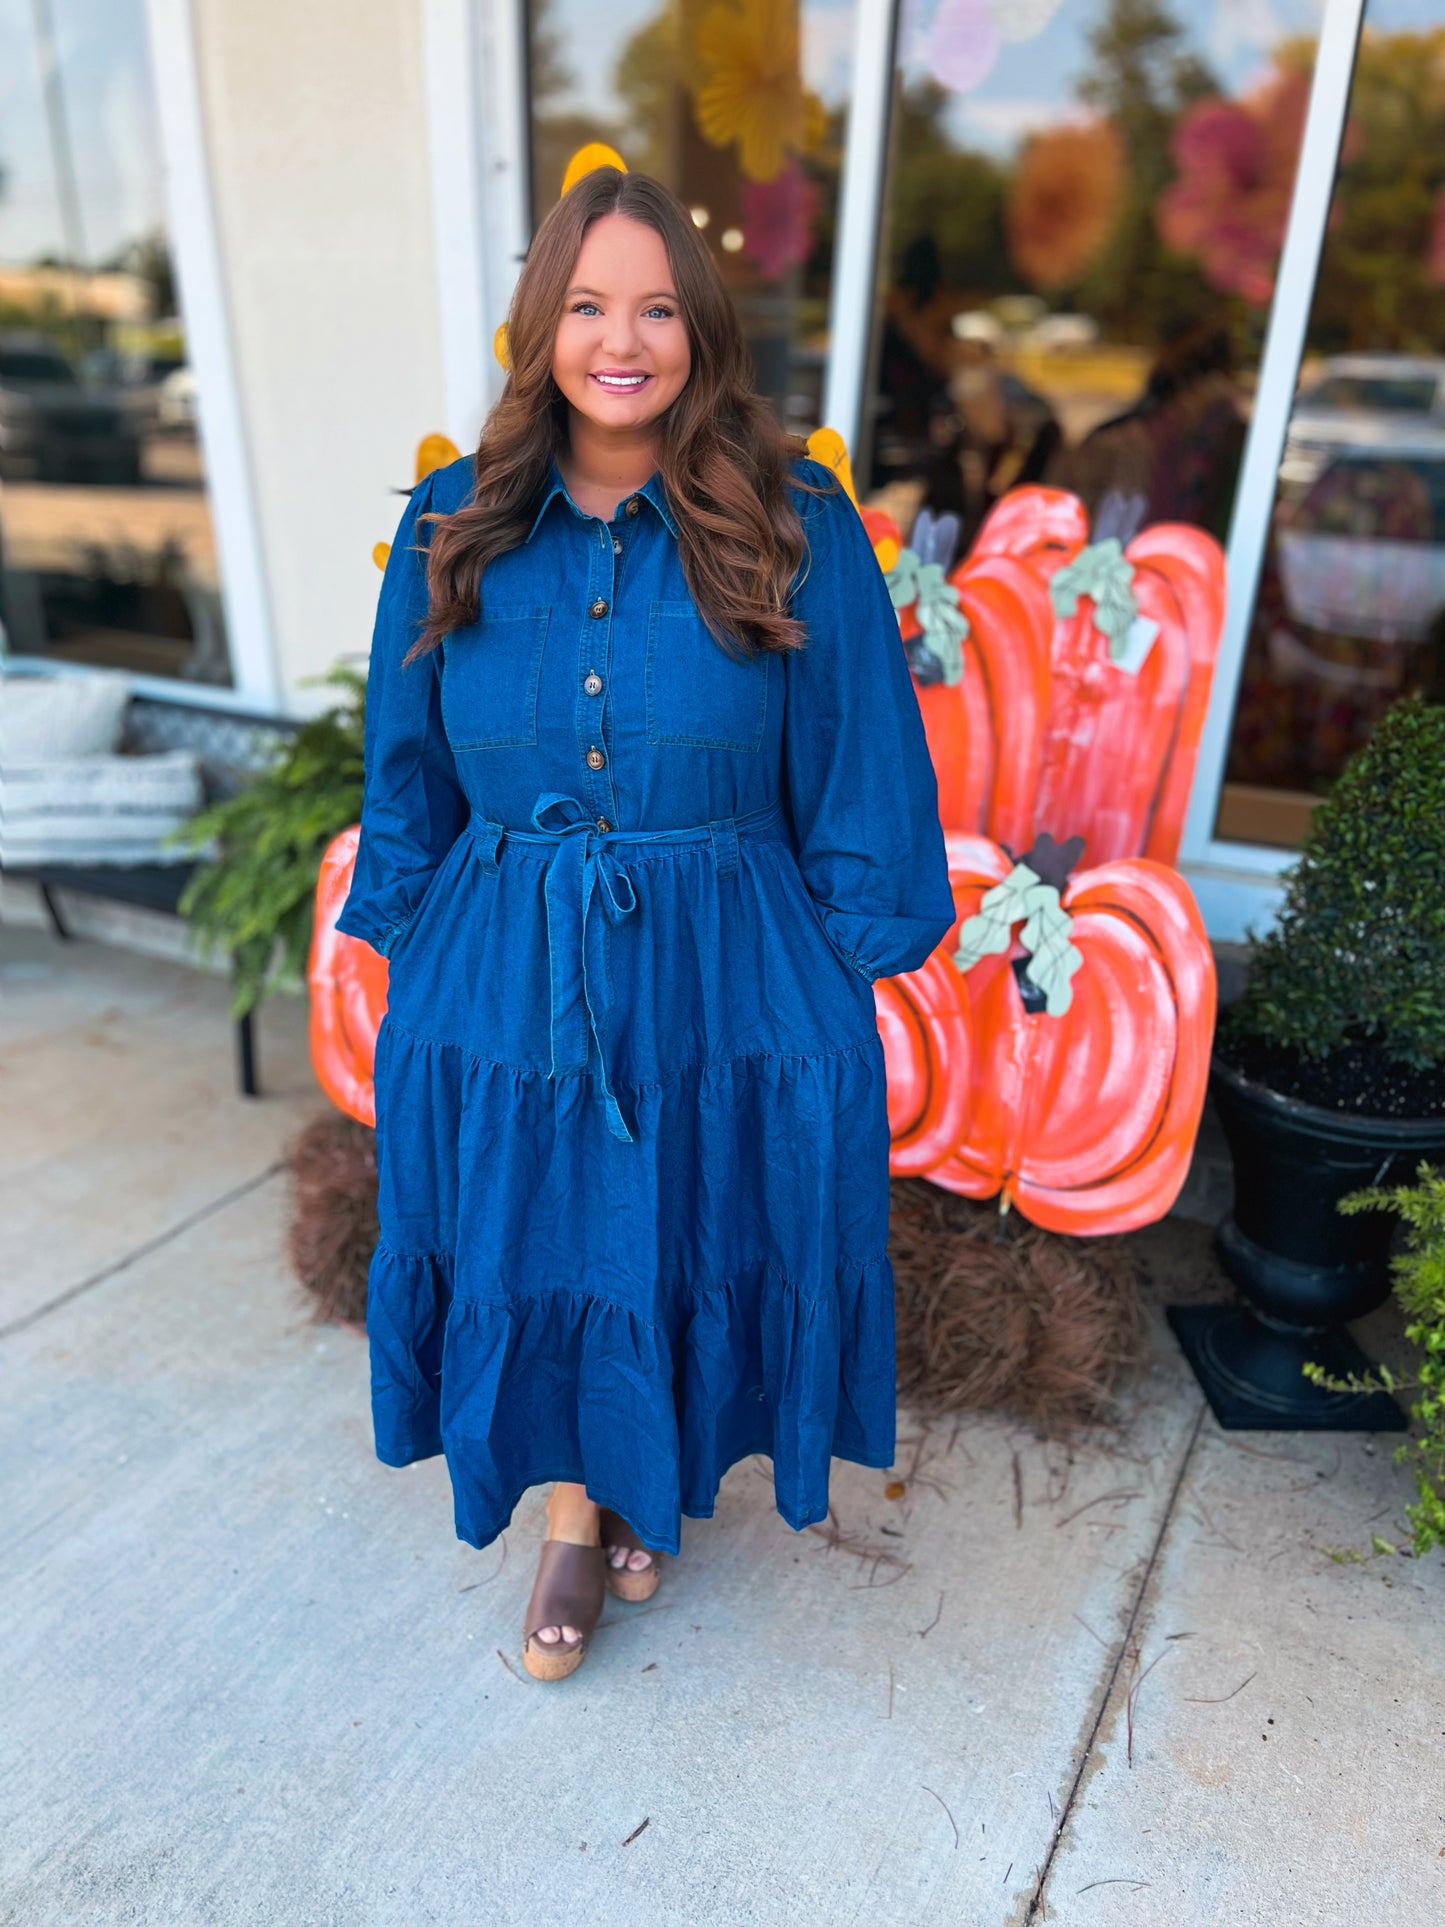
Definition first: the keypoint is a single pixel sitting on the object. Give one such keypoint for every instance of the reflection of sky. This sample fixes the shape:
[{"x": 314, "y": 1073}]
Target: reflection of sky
[
  {"x": 1032, "y": 83},
  {"x": 104, "y": 66},
  {"x": 105, "y": 74}
]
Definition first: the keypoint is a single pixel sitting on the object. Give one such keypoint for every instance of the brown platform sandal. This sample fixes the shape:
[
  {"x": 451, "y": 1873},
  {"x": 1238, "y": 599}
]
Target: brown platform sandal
[
  {"x": 623, "y": 1581},
  {"x": 568, "y": 1591}
]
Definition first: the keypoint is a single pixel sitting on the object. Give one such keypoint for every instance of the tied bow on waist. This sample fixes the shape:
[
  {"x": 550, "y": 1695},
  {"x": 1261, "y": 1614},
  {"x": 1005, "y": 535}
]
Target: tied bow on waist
[{"x": 582, "y": 874}]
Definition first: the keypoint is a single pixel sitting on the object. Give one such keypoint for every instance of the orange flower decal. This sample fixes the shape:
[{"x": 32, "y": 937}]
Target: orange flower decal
[{"x": 1063, "y": 201}]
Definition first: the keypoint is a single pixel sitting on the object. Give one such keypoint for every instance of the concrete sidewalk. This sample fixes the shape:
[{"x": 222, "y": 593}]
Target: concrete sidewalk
[{"x": 250, "y": 1675}]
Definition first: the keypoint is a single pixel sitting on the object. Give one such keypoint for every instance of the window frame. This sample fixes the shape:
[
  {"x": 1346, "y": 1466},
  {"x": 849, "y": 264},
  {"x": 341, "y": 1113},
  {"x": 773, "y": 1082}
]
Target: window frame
[{"x": 480, "y": 133}]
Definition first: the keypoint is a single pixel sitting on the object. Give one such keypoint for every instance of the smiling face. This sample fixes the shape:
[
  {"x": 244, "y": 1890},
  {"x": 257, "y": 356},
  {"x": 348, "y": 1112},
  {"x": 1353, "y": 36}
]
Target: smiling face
[{"x": 621, "y": 355}]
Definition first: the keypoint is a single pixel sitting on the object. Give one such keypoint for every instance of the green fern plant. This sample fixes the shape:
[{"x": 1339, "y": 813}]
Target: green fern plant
[
  {"x": 1420, "y": 1287},
  {"x": 251, "y": 898}
]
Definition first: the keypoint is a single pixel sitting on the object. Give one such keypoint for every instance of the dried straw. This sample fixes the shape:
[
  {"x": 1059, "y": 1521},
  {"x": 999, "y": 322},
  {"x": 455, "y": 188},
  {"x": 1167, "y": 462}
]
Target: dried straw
[
  {"x": 333, "y": 1214},
  {"x": 992, "y": 1312}
]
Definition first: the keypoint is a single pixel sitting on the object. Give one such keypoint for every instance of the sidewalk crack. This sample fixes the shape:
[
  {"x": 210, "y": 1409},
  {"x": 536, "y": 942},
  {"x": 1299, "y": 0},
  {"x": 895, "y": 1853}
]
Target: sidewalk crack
[
  {"x": 1037, "y": 1907},
  {"x": 161, "y": 1239}
]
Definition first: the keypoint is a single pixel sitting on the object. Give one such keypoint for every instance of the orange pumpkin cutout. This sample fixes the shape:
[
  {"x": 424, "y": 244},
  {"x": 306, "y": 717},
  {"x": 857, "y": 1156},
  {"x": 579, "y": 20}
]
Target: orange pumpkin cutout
[
  {"x": 1132, "y": 805},
  {"x": 995, "y": 716},
  {"x": 923, "y": 1020},
  {"x": 1045, "y": 527},
  {"x": 348, "y": 983},
  {"x": 985, "y": 731},
  {"x": 1087, "y": 1121}
]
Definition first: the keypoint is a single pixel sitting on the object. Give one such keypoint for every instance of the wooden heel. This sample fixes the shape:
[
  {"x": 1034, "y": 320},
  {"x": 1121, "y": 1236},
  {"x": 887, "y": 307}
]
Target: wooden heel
[
  {"x": 623, "y": 1583},
  {"x": 568, "y": 1591}
]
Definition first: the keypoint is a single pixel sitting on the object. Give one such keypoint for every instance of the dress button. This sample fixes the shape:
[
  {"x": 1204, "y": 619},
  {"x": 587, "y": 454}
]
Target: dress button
[
  {"x": 616, "y": 545},
  {"x": 595, "y": 759},
  {"x": 633, "y": 506},
  {"x": 593, "y": 683},
  {"x": 599, "y": 608},
  {"x": 603, "y": 824}
]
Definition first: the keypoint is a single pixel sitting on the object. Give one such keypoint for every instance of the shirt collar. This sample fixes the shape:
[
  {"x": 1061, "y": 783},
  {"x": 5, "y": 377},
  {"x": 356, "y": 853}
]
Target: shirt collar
[{"x": 651, "y": 491}]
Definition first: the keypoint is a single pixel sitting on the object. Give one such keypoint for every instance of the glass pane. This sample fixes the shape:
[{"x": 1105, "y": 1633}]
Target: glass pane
[
  {"x": 106, "y": 548},
  {"x": 1087, "y": 203},
  {"x": 1351, "y": 605},
  {"x": 741, "y": 107}
]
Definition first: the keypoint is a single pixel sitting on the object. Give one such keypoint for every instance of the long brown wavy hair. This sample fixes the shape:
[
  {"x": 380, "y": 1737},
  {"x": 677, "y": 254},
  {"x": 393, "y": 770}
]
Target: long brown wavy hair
[{"x": 721, "y": 455}]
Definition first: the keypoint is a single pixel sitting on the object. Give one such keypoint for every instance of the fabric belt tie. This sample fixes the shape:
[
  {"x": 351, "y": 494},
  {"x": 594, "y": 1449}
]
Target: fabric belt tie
[{"x": 583, "y": 874}]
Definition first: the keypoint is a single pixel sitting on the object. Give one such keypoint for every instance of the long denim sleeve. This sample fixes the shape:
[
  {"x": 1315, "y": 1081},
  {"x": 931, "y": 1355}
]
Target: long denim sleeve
[
  {"x": 413, "y": 808},
  {"x": 860, "y": 783}
]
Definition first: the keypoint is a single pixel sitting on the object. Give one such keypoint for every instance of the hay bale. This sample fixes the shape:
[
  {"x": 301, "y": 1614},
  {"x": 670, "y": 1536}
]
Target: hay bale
[
  {"x": 992, "y": 1312},
  {"x": 333, "y": 1214}
]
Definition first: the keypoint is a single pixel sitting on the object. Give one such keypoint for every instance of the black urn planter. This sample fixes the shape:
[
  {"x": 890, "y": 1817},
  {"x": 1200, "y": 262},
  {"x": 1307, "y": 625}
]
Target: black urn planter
[{"x": 1302, "y": 1266}]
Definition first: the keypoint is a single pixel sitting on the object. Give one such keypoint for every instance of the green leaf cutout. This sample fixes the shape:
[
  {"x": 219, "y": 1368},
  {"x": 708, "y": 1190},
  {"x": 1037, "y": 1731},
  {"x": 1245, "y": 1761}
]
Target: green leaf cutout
[
  {"x": 1046, "y": 934},
  {"x": 935, "y": 600},
  {"x": 1104, "y": 574}
]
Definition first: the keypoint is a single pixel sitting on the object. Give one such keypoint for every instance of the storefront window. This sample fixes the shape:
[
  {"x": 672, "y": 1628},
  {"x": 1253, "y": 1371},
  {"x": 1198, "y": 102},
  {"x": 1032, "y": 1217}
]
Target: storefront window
[
  {"x": 1088, "y": 200},
  {"x": 106, "y": 547},
  {"x": 741, "y": 107},
  {"x": 1351, "y": 607}
]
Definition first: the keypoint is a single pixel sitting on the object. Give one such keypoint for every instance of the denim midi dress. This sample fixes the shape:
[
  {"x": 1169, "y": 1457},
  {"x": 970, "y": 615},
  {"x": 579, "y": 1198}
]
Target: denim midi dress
[{"x": 632, "y": 1132}]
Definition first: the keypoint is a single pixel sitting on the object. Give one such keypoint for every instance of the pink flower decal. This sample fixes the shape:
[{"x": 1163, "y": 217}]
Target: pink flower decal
[
  {"x": 1230, "y": 202},
  {"x": 962, "y": 44},
  {"x": 778, "y": 218}
]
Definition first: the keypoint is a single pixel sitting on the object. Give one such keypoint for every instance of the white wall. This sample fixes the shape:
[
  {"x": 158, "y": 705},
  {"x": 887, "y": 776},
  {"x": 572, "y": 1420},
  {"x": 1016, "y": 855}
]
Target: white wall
[{"x": 315, "y": 124}]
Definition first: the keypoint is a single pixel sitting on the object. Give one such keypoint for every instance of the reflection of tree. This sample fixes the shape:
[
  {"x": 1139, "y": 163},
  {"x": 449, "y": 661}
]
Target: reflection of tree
[
  {"x": 952, "y": 195},
  {"x": 646, "y": 79},
  {"x": 1143, "y": 76},
  {"x": 557, "y": 130},
  {"x": 1380, "y": 276},
  {"x": 149, "y": 259}
]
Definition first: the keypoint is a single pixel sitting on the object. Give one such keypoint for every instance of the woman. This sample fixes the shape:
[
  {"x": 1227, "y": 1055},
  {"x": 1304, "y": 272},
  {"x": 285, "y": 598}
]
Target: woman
[{"x": 648, "y": 807}]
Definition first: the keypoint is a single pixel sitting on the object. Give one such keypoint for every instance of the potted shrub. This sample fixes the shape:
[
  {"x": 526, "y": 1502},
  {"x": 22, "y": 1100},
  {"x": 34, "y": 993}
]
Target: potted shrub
[{"x": 1329, "y": 1076}]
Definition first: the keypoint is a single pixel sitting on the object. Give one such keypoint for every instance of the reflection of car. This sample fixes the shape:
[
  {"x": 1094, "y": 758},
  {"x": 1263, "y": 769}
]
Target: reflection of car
[
  {"x": 1364, "y": 402},
  {"x": 52, "y": 428},
  {"x": 1061, "y": 331},
  {"x": 176, "y": 403},
  {"x": 1362, "y": 552}
]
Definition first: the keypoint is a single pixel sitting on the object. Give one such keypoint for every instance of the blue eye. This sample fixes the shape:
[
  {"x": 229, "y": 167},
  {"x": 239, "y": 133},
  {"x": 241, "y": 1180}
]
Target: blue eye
[{"x": 658, "y": 310}]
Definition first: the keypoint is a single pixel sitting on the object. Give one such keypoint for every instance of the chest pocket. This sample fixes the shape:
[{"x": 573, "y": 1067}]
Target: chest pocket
[
  {"x": 491, "y": 671},
  {"x": 697, "y": 694}
]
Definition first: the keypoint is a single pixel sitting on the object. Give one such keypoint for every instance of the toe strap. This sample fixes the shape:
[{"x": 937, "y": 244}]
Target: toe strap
[{"x": 569, "y": 1590}]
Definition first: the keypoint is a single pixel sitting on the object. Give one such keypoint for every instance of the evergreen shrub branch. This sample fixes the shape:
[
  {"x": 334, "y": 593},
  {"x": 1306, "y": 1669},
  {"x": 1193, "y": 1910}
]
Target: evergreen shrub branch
[
  {"x": 1358, "y": 951},
  {"x": 1420, "y": 1288}
]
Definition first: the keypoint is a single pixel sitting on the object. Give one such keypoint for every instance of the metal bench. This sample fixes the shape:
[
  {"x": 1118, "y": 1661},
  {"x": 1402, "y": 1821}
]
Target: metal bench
[{"x": 230, "y": 745}]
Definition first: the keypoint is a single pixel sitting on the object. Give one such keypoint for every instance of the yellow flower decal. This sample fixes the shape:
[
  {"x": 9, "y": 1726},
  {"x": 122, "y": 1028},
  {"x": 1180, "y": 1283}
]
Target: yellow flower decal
[
  {"x": 594, "y": 154},
  {"x": 434, "y": 451},
  {"x": 827, "y": 446},
  {"x": 753, "y": 91}
]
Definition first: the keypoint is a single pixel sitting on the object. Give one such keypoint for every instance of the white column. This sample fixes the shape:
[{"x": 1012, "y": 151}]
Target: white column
[
  {"x": 211, "y": 351},
  {"x": 860, "y": 218}
]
